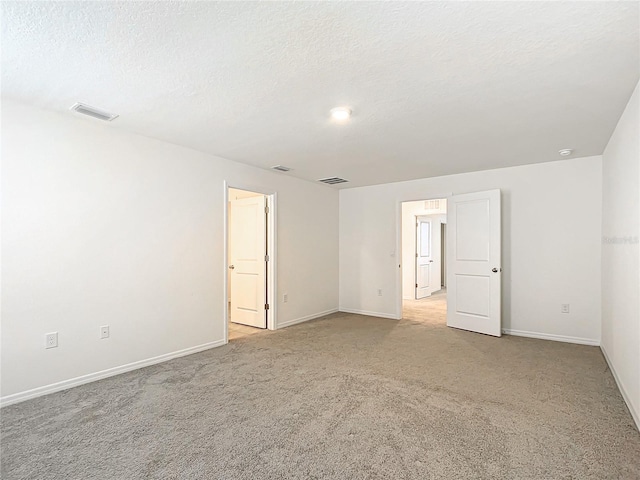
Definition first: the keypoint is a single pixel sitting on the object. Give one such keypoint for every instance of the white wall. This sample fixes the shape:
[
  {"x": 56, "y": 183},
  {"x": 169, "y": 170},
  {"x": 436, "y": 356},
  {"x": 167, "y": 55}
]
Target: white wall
[
  {"x": 550, "y": 238},
  {"x": 105, "y": 227},
  {"x": 620, "y": 257},
  {"x": 409, "y": 212}
]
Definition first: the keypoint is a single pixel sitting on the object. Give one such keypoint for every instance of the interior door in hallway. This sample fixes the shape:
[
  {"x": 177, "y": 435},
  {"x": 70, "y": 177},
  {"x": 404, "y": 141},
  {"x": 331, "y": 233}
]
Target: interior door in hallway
[
  {"x": 474, "y": 262},
  {"x": 248, "y": 249},
  {"x": 424, "y": 257}
]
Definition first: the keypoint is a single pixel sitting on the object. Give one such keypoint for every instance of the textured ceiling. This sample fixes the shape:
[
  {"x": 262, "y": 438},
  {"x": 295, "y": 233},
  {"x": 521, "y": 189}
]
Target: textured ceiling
[{"x": 435, "y": 87}]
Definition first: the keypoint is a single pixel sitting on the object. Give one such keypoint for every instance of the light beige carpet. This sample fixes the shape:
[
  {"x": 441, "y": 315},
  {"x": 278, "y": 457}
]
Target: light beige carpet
[{"x": 343, "y": 397}]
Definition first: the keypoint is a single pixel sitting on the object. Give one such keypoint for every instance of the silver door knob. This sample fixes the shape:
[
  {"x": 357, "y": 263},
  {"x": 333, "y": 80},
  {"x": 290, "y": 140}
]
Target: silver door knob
[
  {"x": 495, "y": 270},
  {"x": 430, "y": 261},
  {"x": 231, "y": 267}
]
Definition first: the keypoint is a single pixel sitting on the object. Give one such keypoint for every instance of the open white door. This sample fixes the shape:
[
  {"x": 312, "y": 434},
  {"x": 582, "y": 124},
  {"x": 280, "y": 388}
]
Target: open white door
[
  {"x": 474, "y": 262},
  {"x": 247, "y": 252},
  {"x": 424, "y": 257}
]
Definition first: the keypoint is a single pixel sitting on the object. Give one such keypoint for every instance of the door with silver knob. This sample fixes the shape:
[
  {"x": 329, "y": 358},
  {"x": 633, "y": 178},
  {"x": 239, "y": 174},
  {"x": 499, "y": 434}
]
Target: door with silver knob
[{"x": 473, "y": 248}]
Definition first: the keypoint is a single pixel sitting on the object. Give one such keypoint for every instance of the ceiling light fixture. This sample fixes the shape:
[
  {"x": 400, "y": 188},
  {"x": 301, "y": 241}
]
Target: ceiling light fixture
[
  {"x": 565, "y": 152},
  {"x": 341, "y": 113}
]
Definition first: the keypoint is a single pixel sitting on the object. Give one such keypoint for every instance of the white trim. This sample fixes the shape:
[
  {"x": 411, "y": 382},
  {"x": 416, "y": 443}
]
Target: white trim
[
  {"x": 550, "y": 336},
  {"x": 111, "y": 372},
  {"x": 399, "y": 260},
  {"x": 272, "y": 271},
  {"x": 634, "y": 414},
  {"x": 370, "y": 314},
  {"x": 225, "y": 250},
  {"x": 306, "y": 318}
]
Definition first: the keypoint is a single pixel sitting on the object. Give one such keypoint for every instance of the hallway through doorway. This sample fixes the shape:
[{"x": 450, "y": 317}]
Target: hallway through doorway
[{"x": 429, "y": 310}]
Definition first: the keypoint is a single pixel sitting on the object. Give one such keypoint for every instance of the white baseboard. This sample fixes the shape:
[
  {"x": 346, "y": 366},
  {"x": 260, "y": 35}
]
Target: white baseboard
[
  {"x": 369, "y": 314},
  {"x": 623, "y": 391},
  {"x": 555, "y": 338},
  {"x": 306, "y": 318},
  {"x": 92, "y": 377}
]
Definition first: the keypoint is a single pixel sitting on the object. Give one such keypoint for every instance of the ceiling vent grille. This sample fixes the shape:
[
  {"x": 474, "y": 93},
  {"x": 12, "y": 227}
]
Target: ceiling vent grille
[
  {"x": 333, "y": 180},
  {"x": 432, "y": 205},
  {"x": 93, "y": 112},
  {"x": 281, "y": 168}
]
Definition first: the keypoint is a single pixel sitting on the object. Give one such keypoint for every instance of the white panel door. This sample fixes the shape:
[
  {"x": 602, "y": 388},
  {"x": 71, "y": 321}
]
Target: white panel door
[
  {"x": 424, "y": 257},
  {"x": 473, "y": 262},
  {"x": 247, "y": 252}
]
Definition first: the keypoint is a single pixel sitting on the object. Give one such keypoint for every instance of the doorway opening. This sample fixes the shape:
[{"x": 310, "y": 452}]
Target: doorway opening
[
  {"x": 424, "y": 266},
  {"x": 250, "y": 260}
]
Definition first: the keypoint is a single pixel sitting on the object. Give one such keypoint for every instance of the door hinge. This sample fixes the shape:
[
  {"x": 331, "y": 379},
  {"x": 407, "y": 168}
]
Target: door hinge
[
  {"x": 416, "y": 285},
  {"x": 416, "y": 254},
  {"x": 266, "y": 209},
  {"x": 266, "y": 306},
  {"x": 266, "y": 258}
]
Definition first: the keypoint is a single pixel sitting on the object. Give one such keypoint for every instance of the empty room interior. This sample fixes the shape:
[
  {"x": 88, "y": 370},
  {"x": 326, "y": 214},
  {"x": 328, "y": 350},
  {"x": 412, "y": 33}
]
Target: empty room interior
[{"x": 342, "y": 240}]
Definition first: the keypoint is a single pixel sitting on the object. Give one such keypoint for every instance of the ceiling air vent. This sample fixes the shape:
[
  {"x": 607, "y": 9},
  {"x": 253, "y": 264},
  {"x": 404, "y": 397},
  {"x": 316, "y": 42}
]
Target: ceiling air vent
[
  {"x": 333, "y": 180},
  {"x": 281, "y": 168},
  {"x": 93, "y": 112},
  {"x": 432, "y": 205}
]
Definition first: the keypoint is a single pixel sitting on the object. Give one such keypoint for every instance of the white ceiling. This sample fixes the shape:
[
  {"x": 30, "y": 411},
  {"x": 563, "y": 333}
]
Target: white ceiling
[{"x": 435, "y": 87}]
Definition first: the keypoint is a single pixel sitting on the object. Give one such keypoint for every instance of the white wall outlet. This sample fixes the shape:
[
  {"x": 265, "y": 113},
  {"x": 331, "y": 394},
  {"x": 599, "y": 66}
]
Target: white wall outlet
[
  {"x": 104, "y": 331},
  {"x": 379, "y": 292},
  {"x": 285, "y": 297},
  {"x": 565, "y": 308},
  {"x": 51, "y": 340}
]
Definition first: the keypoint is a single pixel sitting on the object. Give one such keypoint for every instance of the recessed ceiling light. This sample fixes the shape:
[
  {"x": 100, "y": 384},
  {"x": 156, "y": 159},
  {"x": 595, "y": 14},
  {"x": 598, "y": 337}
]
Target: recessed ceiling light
[
  {"x": 565, "y": 152},
  {"x": 340, "y": 113}
]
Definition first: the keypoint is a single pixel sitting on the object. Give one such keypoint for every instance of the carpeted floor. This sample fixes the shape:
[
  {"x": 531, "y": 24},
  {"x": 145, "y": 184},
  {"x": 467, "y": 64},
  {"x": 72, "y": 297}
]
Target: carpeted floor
[{"x": 343, "y": 397}]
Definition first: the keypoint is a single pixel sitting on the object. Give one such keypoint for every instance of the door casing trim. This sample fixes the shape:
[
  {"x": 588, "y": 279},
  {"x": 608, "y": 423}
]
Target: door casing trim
[{"x": 272, "y": 236}]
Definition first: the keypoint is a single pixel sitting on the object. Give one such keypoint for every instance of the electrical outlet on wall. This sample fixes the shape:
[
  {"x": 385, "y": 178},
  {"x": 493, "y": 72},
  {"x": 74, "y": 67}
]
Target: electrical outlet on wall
[
  {"x": 565, "y": 308},
  {"x": 104, "y": 331},
  {"x": 51, "y": 340},
  {"x": 379, "y": 292}
]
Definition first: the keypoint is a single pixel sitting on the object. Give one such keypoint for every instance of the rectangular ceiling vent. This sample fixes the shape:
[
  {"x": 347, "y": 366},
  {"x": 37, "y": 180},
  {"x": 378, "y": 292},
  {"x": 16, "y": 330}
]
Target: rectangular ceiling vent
[
  {"x": 432, "y": 205},
  {"x": 333, "y": 180},
  {"x": 281, "y": 168},
  {"x": 93, "y": 112}
]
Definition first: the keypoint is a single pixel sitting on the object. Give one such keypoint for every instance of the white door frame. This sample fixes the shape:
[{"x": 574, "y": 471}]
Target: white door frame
[
  {"x": 398, "y": 251},
  {"x": 272, "y": 237}
]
